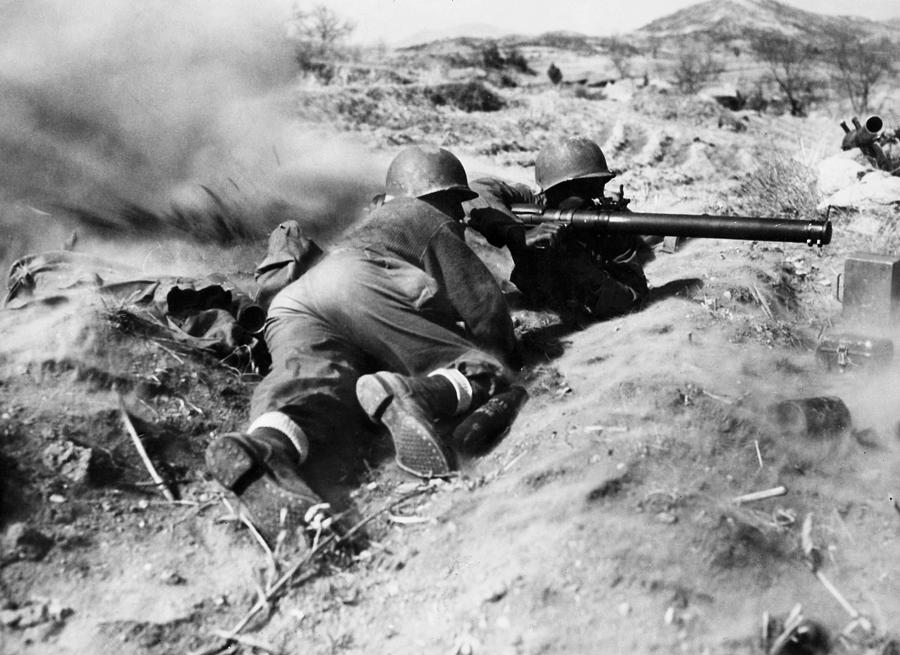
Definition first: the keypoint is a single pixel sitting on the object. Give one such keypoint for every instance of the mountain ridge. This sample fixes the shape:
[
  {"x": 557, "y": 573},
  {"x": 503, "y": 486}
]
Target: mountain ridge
[{"x": 718, "y": 19}]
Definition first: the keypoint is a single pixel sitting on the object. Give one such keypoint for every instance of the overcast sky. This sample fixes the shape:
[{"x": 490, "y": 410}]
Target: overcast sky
[{"x": 396, "y": 21}]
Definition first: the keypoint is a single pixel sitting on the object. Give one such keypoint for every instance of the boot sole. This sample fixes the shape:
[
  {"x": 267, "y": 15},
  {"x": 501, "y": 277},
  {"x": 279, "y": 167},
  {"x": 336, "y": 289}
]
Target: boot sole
[
  {"x": 263, "y": 500},
  {"x": 419, "y": 449},
  {"x": 228, "y": 462}
]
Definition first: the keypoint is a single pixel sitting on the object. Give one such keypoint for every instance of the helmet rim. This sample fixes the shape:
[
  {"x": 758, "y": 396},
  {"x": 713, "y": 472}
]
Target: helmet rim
[
  {"x": 419, "y": 171},
  {"x": 571, "y": 159}
]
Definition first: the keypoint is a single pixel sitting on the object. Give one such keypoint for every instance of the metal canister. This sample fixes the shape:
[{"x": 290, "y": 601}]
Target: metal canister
[
  {"x": 848, "y": 351},
  {"x": 484, "y": 427},
  {"x": 820, "y": 416},
  {"x": 870, "y": 288}
]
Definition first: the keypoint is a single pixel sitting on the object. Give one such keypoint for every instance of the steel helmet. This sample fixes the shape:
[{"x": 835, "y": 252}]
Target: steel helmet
[
  {"x": 570, "y": 159},
  {"x": 420, "y": 170}
]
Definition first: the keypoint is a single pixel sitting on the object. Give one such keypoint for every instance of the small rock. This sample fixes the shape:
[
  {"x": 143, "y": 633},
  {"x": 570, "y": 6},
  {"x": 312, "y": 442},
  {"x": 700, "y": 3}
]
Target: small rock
[
  {"x": 496, "y": 593},
  {"x": 669, "y": 616},
  {"x": 21, "y": 541},
  {"x": 171, "y": 577},
  {"x": 624, "y": 609},
  {"x": 25, "y": 617},
  {"x": 69, "y": 460},
  {"x": 666, "y": 517},
  {"x": 608, "y": 487},
  {"x": 41, "y": 633}
]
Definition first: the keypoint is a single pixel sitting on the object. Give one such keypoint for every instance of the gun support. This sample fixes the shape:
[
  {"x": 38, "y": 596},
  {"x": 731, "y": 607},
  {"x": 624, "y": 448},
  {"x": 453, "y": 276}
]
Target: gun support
[
  {"x": 862, "y": 135},
  {"x": 866, "y": 137},
  {"x": 680, "y": 225}
]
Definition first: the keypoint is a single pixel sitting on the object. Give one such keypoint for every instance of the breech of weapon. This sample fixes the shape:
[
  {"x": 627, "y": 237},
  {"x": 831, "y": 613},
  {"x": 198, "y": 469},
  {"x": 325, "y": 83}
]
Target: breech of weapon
[{"x": 680, "y": 225}]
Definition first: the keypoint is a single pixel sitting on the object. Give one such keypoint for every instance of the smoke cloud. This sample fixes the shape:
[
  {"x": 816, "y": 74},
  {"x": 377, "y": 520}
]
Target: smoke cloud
[{"x": 120, "y": 113}]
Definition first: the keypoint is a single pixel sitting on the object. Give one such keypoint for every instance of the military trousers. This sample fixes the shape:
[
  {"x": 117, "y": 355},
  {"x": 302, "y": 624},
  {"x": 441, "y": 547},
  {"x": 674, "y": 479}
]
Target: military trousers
[{"x": 357, "y": 312}]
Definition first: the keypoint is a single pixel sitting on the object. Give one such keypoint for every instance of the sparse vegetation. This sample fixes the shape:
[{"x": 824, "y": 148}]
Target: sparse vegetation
[
  {"x": 467, "y": 96},
  {"x": 493, "y": 59},
  {"x": 620, "y": 51},
  {"x": 859, "y": 65},
  {"x": 319, "y": 36},
  {"x": 695, "y": 67},
  {"x": 789, "y": 61},
  {"x": 779, "y": 186}
]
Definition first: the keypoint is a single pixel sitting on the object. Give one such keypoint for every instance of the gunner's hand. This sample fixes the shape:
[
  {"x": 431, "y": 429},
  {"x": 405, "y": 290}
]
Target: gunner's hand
[{"x": 543, "y": 236}]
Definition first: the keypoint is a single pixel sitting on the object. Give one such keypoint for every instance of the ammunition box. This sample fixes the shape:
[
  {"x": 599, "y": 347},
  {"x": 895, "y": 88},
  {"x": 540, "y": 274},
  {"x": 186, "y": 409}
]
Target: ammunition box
[
  {"x": 850, "y": 351},
  {"x": 871, "y": 288},
  {"x": 818, "y": 417}
]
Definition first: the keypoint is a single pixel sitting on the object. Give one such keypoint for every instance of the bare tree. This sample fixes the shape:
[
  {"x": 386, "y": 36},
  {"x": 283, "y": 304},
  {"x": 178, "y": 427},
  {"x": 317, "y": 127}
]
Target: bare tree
[
  {"x": 621, "y": 52},
  {"x": 789, "y": 62},
  {"x": 695, "y": 66},
  {"x": 318, "y": 35},
  {"x": 858, "y": 66}
]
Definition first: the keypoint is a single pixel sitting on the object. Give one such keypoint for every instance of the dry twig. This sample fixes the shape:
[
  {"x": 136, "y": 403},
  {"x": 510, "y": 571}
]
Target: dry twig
[
  {"x": 814, "y": 560},
  {"x": 760, "y": 495},
  {"x": 139, "y": 446},
  {"x": 168, "y": 351},
  {"x": 332, "y": 540},
  {"x": 762, "y": 302},
  {"x": 247, "y": 641}
]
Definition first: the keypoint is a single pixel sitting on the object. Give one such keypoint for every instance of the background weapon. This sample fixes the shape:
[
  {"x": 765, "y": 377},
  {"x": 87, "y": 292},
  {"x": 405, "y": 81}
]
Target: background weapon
[
  {"x": 604, "y": 220},
  {"x": 867, "y": 138}
]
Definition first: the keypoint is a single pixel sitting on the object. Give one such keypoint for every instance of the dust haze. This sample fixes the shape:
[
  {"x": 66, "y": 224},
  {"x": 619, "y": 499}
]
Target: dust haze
[{"x": 134, "y": 119}]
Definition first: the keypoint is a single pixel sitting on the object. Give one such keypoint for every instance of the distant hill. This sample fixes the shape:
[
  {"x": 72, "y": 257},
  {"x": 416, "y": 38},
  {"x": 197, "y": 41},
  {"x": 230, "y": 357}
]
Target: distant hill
[
  {"x": 733, "y": 18},
  {"x": 721, "y": 20},
  {"x": 470, "y": 30}
]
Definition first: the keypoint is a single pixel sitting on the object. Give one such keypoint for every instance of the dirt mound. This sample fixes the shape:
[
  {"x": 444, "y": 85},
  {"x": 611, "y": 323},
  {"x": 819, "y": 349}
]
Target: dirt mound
[{"x": 613, "y": 518}]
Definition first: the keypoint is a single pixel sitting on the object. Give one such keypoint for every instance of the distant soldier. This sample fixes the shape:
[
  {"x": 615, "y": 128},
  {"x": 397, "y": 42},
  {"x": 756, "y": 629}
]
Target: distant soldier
[
  {"x": 399, "y": 323},
  {"x": 582, "y": 276}
]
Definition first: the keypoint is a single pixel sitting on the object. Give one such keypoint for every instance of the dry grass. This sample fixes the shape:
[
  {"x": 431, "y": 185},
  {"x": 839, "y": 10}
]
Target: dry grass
[{"x": 780, "y": 186}]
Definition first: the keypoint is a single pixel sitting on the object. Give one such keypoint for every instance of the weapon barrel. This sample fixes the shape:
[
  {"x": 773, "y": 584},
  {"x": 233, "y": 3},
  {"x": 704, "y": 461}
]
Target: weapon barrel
[{"x": 681, "y": 225}]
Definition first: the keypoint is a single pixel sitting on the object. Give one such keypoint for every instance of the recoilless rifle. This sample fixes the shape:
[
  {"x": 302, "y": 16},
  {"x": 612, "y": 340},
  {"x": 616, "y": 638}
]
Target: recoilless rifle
[{"x": 610, "y": 216}]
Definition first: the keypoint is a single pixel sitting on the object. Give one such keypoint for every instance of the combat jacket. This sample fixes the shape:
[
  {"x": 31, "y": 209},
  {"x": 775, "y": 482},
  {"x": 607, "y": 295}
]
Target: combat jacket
[
  {"x": 597, "y": 276},
  {"x": 417, "y": 233}
]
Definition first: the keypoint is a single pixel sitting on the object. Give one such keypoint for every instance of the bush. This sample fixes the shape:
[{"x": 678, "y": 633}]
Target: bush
[
  {"x": 318, "y": 38},
  {"x": 493, "y": 59},
  {"x": 467, "y": 96},
  {"x": 516, "y": 60},
  {"x": 554, "y": 74},
  {"x": 780, "y": 187},
  {"x": 695, "y": 67}
]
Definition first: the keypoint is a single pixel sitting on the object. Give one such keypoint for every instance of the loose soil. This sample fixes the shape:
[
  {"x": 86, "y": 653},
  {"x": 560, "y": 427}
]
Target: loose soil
[{"x": 602, "y": 523}]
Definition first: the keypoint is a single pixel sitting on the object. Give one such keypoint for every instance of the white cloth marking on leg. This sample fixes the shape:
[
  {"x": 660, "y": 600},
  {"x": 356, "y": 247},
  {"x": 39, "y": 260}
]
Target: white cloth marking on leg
[
  {"x": 461, "y": 386},
  {"x": 282, "y": 422}
]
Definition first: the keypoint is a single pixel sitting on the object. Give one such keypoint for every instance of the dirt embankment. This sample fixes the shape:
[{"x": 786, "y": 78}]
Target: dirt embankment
[{"x": 604, "y": 522}]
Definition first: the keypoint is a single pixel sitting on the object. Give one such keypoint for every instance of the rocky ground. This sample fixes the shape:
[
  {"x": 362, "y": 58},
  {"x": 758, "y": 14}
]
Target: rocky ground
[{"x": 604, "y": 522}]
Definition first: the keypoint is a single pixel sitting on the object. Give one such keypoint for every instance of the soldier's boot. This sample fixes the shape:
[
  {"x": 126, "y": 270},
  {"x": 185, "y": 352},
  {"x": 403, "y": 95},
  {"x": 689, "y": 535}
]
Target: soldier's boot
[
  {"x": 261, "y": 468},
  {"x": 409, "y": 406}
]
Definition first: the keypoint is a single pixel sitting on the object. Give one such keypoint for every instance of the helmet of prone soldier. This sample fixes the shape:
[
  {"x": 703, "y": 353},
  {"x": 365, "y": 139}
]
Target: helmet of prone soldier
[
  {"x": 422, "y": 170},
  {"x": 571, "y": 159}
]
